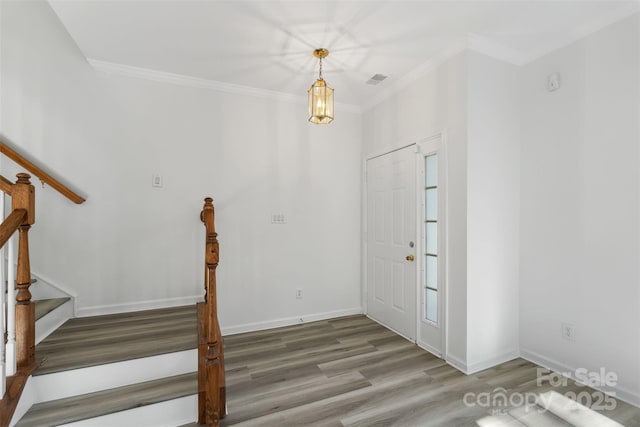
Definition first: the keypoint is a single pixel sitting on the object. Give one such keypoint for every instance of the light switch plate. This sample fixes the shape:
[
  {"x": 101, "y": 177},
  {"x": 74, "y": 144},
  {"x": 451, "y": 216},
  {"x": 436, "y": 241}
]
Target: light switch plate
[{"x": 156, "y": 180}]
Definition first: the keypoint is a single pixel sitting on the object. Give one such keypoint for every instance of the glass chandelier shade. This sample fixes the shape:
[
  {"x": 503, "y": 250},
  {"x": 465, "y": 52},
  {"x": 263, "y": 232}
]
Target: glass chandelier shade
[{"x": 320, "y": 96}]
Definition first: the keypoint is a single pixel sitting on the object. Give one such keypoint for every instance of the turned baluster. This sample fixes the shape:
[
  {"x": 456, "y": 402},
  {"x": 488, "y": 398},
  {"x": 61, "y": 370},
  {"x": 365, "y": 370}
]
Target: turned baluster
[{"x": 23, "y": 197}]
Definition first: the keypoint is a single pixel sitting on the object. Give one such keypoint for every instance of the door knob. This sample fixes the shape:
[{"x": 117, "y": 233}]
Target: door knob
[{"x": 410, "y": 258}]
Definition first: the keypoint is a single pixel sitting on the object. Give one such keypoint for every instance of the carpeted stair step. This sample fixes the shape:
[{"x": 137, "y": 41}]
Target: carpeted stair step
[{"x": 92, "y": 405}]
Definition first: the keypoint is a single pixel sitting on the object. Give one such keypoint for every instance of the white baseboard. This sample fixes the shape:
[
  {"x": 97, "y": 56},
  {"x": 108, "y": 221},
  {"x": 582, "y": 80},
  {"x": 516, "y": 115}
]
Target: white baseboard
[
  {"x": 472, "y": 368},
  {"x": 457, "y": 363},
  {"x": 543, "y": 361},
  {"x": 98, "y": 310},
  {"x": 288, "y": 321},
  {"x": 46, "y": 325},
  {"x": 59, "y": 385},
  {"x": 170, "y": 413},
  {"x": 624, "y": 394}
]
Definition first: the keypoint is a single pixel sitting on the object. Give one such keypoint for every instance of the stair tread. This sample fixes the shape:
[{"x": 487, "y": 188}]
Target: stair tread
[
  {"x": 46, "y": 306},
  {"x": 106, "y": 402},
  {"x": 91, "y": 341}
]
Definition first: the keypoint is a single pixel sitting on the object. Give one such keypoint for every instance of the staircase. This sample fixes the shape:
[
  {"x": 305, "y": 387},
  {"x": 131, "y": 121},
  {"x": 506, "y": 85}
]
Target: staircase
[
  {"x": 160, "y": 367},
  {"x": 122, "y": 369},
  {"x": 17, "y": 306}
]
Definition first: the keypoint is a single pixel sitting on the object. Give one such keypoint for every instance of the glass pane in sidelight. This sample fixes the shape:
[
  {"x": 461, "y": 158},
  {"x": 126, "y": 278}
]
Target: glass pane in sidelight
[
  {"x": 431, "y": 204},
  {"x": 431, "y": 304},
  {"x": 431, "y": 238},
  {"x": 431, "y": 271},
  {"x": 431, "y": 170}
]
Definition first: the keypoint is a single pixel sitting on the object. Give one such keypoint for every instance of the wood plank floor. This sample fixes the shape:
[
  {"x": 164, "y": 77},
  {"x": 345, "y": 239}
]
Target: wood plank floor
[
  {"x": 354, "y": 372},
  {"x": 90, "y": 341},
  {"x": 335, "y": 373}
]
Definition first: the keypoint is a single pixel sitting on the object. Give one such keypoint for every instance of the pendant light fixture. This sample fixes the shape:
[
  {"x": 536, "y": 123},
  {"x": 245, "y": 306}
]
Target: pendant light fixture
[{"x": 320, "y": 96}]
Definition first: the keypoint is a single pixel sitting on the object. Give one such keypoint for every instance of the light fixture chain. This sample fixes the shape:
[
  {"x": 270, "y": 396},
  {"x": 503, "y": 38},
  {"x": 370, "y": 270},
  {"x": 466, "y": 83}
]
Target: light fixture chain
[{"x": 320, "y": 76}]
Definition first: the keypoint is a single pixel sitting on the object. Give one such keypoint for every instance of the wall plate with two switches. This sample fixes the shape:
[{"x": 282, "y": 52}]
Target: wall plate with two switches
[{"x": 278, "y": 218}]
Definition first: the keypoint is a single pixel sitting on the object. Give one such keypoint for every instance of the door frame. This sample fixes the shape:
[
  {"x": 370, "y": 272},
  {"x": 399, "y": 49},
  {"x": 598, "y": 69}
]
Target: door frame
[
  {"x": 422, "y": 150},
  {"x": 444, "y": 298},
  {"x": 365, "y": 227}
]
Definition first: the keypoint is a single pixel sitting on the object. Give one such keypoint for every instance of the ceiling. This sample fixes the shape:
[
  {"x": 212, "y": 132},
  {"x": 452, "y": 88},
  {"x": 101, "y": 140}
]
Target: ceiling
[{"x": 266, "y": 45}]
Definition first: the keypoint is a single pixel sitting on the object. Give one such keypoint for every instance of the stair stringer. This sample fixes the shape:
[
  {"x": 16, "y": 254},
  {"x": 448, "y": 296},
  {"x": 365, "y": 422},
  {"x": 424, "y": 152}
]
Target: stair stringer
[
  {"x": 47, "y": 324},
  {"x": 27, "y": 400},
  {"x": 45, "y": 288}
]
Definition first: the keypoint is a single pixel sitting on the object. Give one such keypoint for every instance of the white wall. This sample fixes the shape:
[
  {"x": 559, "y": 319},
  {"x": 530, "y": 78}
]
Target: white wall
[
  {"x": 431, "y": 104},
  {"x": 493, "y": 202},
  {"x": 580, "y": 213},
  {"x": 131, "y": 245}
]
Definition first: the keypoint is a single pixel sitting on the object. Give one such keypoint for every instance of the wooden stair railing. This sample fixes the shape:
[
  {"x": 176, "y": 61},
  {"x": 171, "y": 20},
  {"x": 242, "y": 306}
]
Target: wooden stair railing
[
  {"x": 21, "y": 219},
  {"x": 21, "y": 160},
  {"x": 212, "y": 405}
]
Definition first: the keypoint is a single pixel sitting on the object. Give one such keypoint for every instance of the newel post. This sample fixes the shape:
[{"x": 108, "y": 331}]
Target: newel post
[
  {"x": 23, "y": 197},
  {"x": 211, "y": 378}
]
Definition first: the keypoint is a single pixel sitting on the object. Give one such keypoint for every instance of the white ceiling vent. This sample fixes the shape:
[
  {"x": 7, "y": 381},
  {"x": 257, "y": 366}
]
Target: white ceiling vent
[{"x": 374, "y": 80}]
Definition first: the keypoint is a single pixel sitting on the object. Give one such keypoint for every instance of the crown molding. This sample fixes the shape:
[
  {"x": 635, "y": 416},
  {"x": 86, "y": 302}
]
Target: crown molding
[
  {"x": 475, "y": 42},
  {"x": 200, "y": 83}
]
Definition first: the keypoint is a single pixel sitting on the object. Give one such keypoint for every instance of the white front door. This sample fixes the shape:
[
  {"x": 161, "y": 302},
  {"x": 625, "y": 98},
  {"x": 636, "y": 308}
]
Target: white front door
[{"x": 391, "y": 245}]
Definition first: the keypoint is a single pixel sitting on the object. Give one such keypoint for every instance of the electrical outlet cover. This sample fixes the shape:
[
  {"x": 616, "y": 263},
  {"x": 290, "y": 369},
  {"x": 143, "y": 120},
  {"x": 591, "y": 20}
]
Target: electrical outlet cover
[{"x": 568, "y": 332}]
